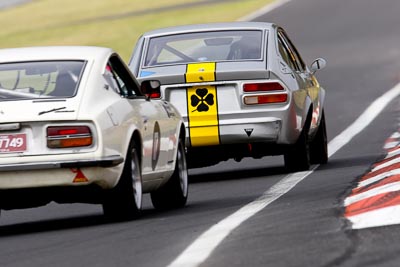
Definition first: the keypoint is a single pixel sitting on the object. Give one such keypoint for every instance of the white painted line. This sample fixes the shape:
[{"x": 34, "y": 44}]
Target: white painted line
[
  {"x": 386, "y": 164},
  {"x": 267, "y": 8},
  {"x": 395, "y": 135},
  {"x": 377, "y": 178},
  {"x": 364, "y": 120},
  {"x": 393, "y": 153},
  {"x": 199, "y": 250},
  {"x": 390, "y": 145},
  {"x": 380, "y": 217},
  {"x": 373, "y": 192},
  {"x": 205, "y": 244}
]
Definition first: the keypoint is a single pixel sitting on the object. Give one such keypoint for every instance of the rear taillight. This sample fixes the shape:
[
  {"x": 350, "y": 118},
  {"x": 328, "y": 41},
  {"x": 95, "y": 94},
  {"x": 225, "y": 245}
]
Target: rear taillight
[
  {"x": 262, "y": 87},
  {"x": 68, "y": 136},
  {"x": 265, "y": 99},
  {"x": 154, "y": 95},
  {"x": 256, "y": 99}
]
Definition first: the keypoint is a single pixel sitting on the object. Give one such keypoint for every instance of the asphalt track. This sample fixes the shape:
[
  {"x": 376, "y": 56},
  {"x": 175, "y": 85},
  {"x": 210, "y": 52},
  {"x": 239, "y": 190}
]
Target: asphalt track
[{"x": 305, "y": 226}]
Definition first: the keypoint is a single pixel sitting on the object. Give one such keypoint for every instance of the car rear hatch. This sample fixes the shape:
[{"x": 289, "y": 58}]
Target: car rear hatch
[
  {"x": 210, "y": 95},
  {"x": 39, "y": 105},
  {"x": 28, "y": 127}
]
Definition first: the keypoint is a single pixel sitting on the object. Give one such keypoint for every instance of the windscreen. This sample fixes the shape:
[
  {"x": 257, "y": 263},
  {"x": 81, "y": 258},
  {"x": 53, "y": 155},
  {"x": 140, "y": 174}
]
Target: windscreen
[
  {"x": 42, "y": 79},
  {"x": 204, "y": 46}
]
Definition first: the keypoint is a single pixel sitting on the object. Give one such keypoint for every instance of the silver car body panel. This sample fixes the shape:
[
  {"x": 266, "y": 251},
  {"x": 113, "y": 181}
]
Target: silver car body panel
[{"x": 271, "y": 123}]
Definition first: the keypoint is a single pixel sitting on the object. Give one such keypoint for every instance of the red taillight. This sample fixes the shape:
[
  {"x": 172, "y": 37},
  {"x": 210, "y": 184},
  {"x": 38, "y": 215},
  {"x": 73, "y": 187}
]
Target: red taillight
[
  {"x": 265, "y": 99},
  {"x": 68, "y": 136},
  {"x": 154, "y": 95},
  {"x": 262, "y": 87}
]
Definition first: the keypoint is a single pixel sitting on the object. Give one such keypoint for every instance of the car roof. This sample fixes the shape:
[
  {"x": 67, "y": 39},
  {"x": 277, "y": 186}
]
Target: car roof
[
  {"x": 242, "y": 25},
  {"x": 38, "y": 53}
]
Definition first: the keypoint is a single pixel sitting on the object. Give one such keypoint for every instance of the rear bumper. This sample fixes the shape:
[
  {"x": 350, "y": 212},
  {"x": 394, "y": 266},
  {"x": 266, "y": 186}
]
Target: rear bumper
[
  {"x": 239, "y": 131},
  {"x": 249, "y": 131},
  {"x": 103, "y": 172},
  {"x": 105, "y": 162}
]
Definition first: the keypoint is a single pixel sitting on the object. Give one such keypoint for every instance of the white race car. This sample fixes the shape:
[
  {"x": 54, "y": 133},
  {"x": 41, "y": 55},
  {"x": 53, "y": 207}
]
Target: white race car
[{"x": 75, "y": 127}]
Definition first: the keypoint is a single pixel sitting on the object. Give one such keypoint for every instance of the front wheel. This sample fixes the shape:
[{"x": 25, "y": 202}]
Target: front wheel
[
  {"x": 124, "y": 201},
  {"x": 175, "y": 192}
]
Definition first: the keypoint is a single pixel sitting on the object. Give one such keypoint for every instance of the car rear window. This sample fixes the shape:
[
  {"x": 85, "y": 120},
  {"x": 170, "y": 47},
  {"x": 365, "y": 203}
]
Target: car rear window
[
  {"x": 204, "y": 46},
  {"x": 41, "y": 79}
]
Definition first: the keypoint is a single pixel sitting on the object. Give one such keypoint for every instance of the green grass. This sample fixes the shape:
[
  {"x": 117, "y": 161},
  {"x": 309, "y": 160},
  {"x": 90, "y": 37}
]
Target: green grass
[{"x": 76, "y": 22}]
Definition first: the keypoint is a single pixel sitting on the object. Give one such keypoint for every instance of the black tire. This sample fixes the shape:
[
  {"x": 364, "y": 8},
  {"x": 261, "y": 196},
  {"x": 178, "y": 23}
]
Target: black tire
[
  {"x": 175, "y": 192},
  {"x": 319, "y": 146},
  {"x": 298, "y": 156},
  {"x": 124, "y": 201}
]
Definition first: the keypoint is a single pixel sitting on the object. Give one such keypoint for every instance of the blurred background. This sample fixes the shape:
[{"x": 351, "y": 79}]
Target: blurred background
[{"x": 116, "y": 24}]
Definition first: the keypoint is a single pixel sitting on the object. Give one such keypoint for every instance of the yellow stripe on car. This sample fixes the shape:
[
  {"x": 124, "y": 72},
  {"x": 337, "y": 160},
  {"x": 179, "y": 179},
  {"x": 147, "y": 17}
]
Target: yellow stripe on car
[{"x": 202, "y": 105}]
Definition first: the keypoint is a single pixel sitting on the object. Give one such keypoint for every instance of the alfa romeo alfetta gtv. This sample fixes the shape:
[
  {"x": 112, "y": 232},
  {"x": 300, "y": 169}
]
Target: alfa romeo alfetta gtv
[{"x": 242, "y": 89}]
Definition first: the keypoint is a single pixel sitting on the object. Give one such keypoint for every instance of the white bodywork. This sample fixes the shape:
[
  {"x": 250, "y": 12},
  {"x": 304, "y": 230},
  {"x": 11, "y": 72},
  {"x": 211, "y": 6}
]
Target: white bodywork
[{"x": 113, "y": 119}]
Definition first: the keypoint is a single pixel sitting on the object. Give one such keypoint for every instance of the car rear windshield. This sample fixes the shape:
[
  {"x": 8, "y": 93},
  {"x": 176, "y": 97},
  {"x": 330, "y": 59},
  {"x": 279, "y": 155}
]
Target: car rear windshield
[
  {"x": 39, "y": 79},
  {"x": 204, "y": 46}
]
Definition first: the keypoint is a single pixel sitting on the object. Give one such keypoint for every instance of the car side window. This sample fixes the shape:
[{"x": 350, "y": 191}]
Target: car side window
[
  {"x": 294, "y": 54},
  {"x": 285, "y": 54},
  {"x": 121, "y": 79}
]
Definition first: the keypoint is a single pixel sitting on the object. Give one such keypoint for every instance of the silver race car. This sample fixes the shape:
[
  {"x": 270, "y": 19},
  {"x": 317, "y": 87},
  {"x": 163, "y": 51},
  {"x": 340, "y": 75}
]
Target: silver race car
[
  {"x": 75, "y": 127},
  {"x": 242, "y": 89}
]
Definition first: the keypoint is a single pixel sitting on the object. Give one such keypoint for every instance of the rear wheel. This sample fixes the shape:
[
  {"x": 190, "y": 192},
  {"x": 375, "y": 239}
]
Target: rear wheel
[
  {"x": 125, "y": 200},
  {"x": 175, "y": 192},
  {"x": 298, "y": 157},
  {"x": 319, "y": 146}
]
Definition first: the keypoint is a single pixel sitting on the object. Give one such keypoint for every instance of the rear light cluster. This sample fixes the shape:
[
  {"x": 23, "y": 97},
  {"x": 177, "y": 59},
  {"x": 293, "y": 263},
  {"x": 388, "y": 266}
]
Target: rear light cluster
[
  {"x": 155, "y": 95},
  {"x": 271, "y": 87},
  {"x": 69, "y": 136}
]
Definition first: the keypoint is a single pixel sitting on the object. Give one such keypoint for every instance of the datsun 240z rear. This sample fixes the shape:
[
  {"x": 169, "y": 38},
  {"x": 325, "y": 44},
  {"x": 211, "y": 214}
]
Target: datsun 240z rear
[
  {"x": 242, "y": 89},
  {"x": 75, "y": 127}
]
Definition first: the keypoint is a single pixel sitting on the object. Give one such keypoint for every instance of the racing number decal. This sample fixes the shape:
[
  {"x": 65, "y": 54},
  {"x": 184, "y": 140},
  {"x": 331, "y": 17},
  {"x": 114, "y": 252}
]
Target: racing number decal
[{"x": 202, "y": 105}]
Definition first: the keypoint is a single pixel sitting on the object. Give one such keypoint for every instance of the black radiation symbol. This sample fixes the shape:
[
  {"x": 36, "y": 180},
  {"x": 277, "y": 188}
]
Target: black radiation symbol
[{"x": 204, "y": 98}]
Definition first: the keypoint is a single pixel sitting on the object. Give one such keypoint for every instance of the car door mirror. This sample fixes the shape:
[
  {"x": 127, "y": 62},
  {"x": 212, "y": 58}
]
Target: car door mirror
[
  {"x": 317, "y": 64},
  {"x": 151, "y": 88}
]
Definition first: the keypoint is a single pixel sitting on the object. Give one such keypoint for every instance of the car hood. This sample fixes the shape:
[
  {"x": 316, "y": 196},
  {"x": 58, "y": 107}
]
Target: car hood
[
  {"x": 38, "y": 110},
  {"x": 224, "y": 71}
]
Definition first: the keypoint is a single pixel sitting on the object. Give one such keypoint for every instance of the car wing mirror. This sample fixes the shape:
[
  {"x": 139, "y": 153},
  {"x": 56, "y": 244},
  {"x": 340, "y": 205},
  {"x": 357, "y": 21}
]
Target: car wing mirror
[
  {"x": 317, "y": 64},
  {"x": 151, "y": 89}
]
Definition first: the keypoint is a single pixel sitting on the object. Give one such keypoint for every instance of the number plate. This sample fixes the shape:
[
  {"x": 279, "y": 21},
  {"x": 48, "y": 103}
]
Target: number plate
[{"x": 12, "y": 143}]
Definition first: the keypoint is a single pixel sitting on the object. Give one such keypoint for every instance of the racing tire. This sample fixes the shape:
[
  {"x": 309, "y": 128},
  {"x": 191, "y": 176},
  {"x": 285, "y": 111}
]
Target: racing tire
[
  {"x": 174, "y": 193},
  {"x": 319, "y": 146},
  {"x": 298, "y": 156},
  {"x": 124, "y": 202}
]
